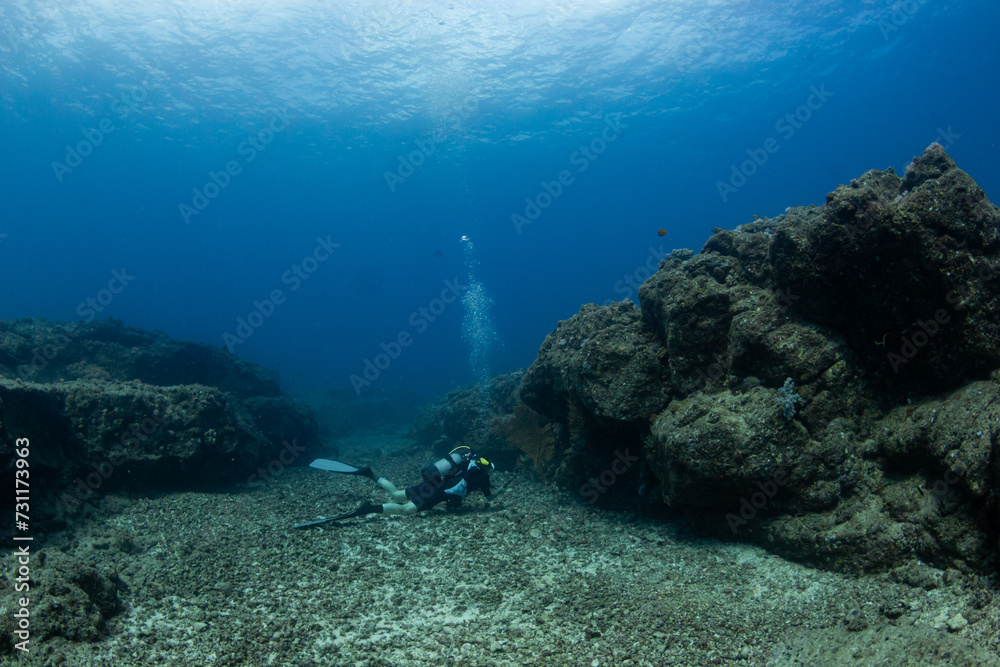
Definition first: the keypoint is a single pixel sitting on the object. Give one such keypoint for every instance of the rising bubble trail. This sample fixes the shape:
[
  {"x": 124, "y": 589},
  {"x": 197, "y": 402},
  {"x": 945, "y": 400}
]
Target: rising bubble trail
[{"x": 480, "y": 333}]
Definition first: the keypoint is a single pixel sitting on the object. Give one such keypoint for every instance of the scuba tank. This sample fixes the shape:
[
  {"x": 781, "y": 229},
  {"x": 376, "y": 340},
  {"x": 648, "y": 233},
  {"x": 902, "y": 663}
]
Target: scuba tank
[{"x": 442, "y": 469}]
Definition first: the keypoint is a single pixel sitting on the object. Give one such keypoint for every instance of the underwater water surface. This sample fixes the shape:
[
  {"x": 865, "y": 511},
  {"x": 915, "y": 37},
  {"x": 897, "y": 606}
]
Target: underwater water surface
[{"x": 291, "y": 179}]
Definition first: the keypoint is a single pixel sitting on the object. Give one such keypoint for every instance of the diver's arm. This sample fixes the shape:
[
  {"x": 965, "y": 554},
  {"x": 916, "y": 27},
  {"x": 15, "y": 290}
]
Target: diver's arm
[{"x": 490, "y": 497}]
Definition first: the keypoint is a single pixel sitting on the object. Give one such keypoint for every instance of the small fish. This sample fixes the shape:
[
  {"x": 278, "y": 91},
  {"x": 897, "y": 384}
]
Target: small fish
[{"x": 662, "y": 232}]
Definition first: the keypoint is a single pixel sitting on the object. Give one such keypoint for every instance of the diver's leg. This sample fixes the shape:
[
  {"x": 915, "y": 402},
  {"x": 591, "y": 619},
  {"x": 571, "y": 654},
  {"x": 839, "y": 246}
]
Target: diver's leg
[
  {"x": 394, "y": 508},
  {"x": 388, "y": 508},
  {"x": 391, "y": 489},
  {"x": 366, "y": 509}
]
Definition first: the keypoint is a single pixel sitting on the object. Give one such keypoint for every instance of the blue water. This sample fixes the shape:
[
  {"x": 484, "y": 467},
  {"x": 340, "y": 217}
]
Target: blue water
[{"x": 310, "y": 104}]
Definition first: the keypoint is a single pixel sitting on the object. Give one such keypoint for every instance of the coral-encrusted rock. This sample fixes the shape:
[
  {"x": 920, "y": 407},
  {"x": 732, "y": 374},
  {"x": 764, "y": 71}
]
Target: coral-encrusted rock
[
  {"x": 710, "y": 451},
  {"x": 872, "y": 305},
  {"x": 490, "y": 418},
  {"x": 954, "y": 436},
  {"x": 91, "y": 437},
  {"x": 40, "y": 351},
  {"x": 283, "y": 420},
  {"x": 913, "y": 489},
  {"x": 150, "y": 437},
  {"x": 722, "y": 325},
  {"x": 462, "y": 416},
  {"x": 906, "y": 268},
  {"x": 69, "y": 599},
  {"x": 690, "y": 306},
  {"x": 605, "y": 359},
  {"x": 901, "y": 521}
]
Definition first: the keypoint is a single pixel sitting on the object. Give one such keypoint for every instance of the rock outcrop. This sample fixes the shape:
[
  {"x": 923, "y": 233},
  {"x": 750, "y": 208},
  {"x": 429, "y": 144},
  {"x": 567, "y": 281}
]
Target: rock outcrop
[
  {"x": 905, "y": 269},
  {"x": 69, "y": 599},
  {"x": 39, "y": 351},
  {"x": 489, "y": 417},
  {"x": 112, "y": 408},
  {"x": 605, "y": 360},
  {"x": 824, "y": 383}
]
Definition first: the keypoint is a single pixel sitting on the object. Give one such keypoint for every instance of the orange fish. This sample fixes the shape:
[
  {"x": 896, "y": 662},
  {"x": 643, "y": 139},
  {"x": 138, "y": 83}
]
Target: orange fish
[{"x": 662, "y": 232}]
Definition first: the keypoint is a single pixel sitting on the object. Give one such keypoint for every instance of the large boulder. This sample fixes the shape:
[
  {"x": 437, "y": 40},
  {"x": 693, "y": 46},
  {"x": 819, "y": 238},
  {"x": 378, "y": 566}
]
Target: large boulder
[
  {"x": 108, "y": 407},
  {"x": 599, "y": 377},
  {"x": 91, "y": 437},
  {"x": 604, "y": 359},
  {"x": 718, "y": 328},
  {"x": 784, "y": 386},
  {"x": 710, "y": 451},
  {"x": 905, "y": 268},
  {"x": 692, "y": 302},
  {"x": 912, "y": 484}
]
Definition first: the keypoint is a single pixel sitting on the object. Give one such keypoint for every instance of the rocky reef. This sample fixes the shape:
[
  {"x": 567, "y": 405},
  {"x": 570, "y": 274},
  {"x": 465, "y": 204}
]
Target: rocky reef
[
  {"x": 823, "y": 383},
  {"x": 485, "y": 416},
  {"x": 38, "y": 351},
  {"x": 108, "y": 407}
]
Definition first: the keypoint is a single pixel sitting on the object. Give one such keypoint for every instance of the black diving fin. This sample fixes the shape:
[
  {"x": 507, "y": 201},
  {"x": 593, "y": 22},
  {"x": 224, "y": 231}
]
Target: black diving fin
[{"x": 364, "y": 510}]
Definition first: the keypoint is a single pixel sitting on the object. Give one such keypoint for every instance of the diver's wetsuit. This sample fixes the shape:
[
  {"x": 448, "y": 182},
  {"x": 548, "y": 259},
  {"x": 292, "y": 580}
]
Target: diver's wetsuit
[
  {"x": 424, "y": 496},
  {"x": 452, "y": 490}
]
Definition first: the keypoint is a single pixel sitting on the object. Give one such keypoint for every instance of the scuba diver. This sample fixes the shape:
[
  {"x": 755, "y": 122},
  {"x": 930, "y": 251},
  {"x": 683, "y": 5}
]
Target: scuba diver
[{"x": 449, "y": 480}]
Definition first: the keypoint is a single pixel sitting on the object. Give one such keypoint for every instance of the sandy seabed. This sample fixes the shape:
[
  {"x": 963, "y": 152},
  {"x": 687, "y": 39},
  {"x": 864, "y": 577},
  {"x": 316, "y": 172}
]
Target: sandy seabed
[{"x": 535, "y": 578}]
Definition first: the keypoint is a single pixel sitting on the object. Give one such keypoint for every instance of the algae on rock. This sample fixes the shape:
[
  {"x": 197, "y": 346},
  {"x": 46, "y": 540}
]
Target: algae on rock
[{"x": 874, "y": 303}]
